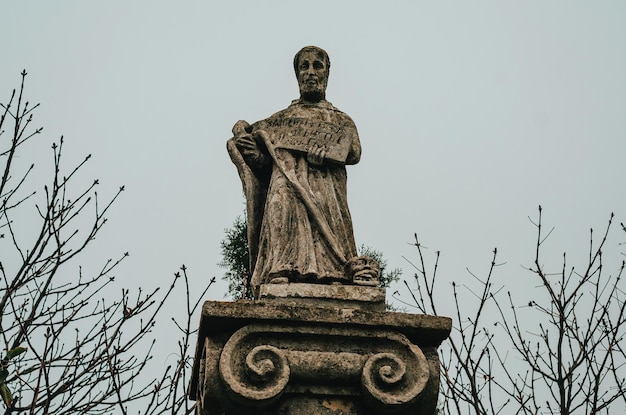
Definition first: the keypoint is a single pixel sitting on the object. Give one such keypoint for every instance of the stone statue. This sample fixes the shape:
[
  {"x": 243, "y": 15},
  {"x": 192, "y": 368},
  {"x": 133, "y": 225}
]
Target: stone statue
[
  {"x": 316, "y": 338},
  {"x": 292, "y": 167}
]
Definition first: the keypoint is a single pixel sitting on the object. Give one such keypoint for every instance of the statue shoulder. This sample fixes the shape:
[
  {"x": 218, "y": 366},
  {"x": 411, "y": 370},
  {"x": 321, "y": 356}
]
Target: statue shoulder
[
  {"x": 341, "y": 117},
  {"x": 286, "y": 112}
]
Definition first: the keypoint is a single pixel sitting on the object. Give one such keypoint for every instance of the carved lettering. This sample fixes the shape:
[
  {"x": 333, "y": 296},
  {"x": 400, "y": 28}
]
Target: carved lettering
[{"x": 303, "y": 134}]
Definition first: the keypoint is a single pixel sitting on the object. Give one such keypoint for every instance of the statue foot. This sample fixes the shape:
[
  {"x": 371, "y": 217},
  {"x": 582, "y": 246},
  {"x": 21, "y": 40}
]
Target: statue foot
[
  {"x": 279, "y": 280},
  {"x": 365, "y": 279}
]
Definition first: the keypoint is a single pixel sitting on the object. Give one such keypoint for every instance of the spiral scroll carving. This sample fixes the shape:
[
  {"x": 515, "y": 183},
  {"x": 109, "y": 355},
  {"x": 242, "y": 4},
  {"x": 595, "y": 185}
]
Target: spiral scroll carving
[
  {"x": 391, "y": 370},
  {"x": 387, "y": 380},
  {"x": 260, "y": 367},
  {"x": 258, "y": 378}
]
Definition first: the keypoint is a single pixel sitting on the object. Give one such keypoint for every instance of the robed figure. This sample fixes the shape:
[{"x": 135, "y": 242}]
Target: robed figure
[{"x": 292, "y": 167}]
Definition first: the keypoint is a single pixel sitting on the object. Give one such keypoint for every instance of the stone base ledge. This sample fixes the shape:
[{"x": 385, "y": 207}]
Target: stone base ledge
[
  {"x": 225, "y": 316},
  {"x": 344, "y": 296},
  {"x": 297, "y": 352}
]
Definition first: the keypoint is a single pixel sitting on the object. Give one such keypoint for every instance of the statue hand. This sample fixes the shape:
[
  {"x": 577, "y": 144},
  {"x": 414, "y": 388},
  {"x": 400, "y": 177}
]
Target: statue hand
[
  {"x": 243, "y": 139},
  {"x": 252, "y": 144},
  {"x": 316, "y": 156},
  {"x": 246, "y": 142}
]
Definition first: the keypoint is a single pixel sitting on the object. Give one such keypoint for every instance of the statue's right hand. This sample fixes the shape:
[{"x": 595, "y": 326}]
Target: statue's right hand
[
  {"x": 246, "y": 142},
  {"x": 241, "y": 127}
]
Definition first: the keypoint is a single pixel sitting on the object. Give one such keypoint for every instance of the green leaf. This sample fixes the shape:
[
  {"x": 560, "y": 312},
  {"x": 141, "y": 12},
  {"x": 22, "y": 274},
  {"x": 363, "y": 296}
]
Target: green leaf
[
  {"x": 15, "y": 352},
  {"x": 4, "y": 374},
  {"x": 7, "y": 397}
]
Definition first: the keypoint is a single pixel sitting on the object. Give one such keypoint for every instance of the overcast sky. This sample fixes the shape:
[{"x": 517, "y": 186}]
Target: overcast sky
[{"x": 470, "y": 114}]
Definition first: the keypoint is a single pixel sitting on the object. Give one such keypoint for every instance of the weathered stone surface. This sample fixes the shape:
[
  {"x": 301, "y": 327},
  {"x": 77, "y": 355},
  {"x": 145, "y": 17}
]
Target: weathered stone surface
[
  {"x": 317, "y": 339},
  {"x": 266, "y": 357},
  {"x": 422, "y": 329},
  {"x": 292, "y": 167},
  {"x": 340, "y": 296}
]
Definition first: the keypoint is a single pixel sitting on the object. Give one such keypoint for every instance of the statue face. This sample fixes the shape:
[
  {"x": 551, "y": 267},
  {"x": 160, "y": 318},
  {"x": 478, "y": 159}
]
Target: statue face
[{"x": 312, "y": 76}]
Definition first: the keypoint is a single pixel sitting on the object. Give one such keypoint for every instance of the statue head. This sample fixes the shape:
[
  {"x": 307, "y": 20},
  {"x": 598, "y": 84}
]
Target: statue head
[{"x": 312, "y": 67}]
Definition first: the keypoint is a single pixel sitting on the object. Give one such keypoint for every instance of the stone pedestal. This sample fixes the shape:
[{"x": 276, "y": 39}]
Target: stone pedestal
[{"x": 316, "y": 349}]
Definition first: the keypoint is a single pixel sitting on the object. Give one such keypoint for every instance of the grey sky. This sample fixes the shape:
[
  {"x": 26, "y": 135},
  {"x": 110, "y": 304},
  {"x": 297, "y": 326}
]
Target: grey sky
[{"x": 470, "y": 115}]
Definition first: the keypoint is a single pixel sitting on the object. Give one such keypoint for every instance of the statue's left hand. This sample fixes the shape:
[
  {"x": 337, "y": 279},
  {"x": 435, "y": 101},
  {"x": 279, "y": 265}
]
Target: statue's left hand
[
  {"x": 243, "y": 139},
  {"x": 316, "y": 156}
]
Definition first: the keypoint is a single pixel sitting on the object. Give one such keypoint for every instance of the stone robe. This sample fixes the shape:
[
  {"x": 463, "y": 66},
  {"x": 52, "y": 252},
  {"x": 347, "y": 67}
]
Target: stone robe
[{"x": 299, "y": 225}]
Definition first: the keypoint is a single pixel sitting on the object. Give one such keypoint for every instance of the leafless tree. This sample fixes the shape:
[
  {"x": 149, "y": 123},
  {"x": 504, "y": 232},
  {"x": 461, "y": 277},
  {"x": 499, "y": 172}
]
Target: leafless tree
[
  {"x": 560, "y": 353},
  {"x": 70, "y": 346}
]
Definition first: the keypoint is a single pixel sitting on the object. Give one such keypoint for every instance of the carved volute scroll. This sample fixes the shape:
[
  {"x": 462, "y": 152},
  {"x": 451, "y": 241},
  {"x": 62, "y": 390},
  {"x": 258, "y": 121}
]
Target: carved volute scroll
[
  {"x": 274, "y": 357},
  {"x": 390, "y": 384},
  {"x": 259, "y": 363},
  {"x": 254, "y": 377}
]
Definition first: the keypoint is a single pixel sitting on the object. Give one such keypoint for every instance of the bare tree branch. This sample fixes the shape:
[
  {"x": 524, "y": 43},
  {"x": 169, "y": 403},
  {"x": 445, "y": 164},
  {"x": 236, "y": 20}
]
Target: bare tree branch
[
  {"x": 86, "y": 351},
  {"x": 563, "y": 355}
]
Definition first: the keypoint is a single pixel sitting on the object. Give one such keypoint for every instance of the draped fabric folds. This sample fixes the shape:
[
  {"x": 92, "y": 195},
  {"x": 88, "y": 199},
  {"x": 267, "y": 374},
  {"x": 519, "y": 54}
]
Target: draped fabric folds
[{"x": 299, "y": 225}]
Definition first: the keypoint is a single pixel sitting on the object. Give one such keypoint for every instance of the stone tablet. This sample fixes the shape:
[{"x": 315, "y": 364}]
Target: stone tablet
[{"x": 303, "y": 134}]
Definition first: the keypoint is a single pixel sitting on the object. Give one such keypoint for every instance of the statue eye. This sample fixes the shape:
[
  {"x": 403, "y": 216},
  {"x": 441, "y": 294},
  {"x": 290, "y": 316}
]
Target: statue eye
[{"x": 318, "y": 65}]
